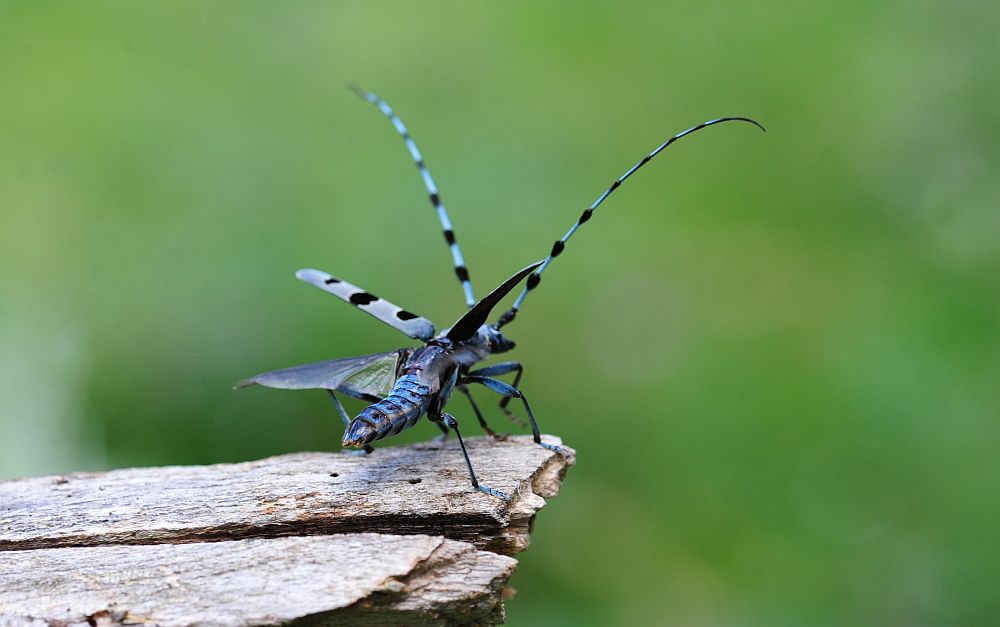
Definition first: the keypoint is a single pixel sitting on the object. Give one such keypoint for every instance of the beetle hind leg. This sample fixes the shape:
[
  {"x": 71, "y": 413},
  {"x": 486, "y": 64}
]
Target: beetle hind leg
[{"x": 367, "y": 450}]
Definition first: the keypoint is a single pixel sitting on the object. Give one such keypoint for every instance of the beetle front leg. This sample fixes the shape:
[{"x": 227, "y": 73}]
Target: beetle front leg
[
  {"x": 510, "y": 391},
  {"x": 500, "y": 368},
  {"x": 479, "y": 415}
]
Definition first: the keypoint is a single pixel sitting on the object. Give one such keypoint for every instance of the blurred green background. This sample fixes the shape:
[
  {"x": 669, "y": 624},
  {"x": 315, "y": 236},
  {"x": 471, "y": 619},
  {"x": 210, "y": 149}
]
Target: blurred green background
[{"x": 777, "y": 355}]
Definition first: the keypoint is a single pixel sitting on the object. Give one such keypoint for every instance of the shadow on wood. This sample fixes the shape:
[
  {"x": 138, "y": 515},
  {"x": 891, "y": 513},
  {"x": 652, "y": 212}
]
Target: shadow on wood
[{"x": 397, "y": 537}]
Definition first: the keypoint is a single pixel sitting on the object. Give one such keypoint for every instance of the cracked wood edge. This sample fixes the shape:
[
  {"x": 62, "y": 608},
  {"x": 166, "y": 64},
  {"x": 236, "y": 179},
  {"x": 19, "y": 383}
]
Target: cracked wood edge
[
  {"x": 349, "y": 579},
  {"x": 415, "y": 489}
]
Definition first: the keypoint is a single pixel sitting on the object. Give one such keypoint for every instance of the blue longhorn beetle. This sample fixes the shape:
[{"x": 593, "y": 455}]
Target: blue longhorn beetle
[{"x": 407, "y": 383}]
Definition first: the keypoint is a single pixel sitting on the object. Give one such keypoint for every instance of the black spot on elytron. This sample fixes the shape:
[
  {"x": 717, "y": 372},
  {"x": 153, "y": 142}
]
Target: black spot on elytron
[
  {"x": 533, "y": 280},
  {"x": 402, "y": 314},
  {"x": 557, "y": 248},
  {"x": 462, "y": 273},
  {"x": 435, "y": 200},
  {"x": 363, "y": 298},
  {"x": 331, "y": 281},
  {"x": 449, "y": 236},
  {"x": 415, "y": 481},
  {"x": 585, "y": 216}
]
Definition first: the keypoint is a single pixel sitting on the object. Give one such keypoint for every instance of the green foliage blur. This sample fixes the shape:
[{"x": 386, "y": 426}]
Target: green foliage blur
[{"x": 777, "y": 354}]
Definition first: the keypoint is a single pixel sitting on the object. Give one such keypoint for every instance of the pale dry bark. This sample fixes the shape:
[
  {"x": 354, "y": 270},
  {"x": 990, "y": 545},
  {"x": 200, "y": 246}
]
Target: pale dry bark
[
  {"x": 398, "y": 537},
  {"x": 338, "y": 579}
]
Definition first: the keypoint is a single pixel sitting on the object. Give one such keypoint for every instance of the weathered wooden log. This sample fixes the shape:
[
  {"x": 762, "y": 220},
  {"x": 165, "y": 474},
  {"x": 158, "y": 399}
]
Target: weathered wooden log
[
  {"x": 397, "y": 537},
  {"x": 340, "y": 579}
]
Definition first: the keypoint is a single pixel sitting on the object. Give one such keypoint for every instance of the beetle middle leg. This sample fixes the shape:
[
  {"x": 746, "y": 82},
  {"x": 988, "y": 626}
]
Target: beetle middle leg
[
  {"x": 449, "y": 422},
  {"x": 444, "y": 432},
  {"x": 510, "y": 391},
  {"x": 500, "y": 368}
]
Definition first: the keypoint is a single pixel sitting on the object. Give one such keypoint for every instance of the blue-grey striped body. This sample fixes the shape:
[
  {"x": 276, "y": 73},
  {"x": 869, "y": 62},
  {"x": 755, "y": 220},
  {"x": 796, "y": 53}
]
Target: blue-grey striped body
[
  {"x": 424, "y": 386},
  {"x": 407, "y": 401}
]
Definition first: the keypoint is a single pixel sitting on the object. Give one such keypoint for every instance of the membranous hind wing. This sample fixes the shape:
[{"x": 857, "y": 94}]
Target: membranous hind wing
[
  {"x": 411, "y": 324},
  {"x": 368, "y": 377}
]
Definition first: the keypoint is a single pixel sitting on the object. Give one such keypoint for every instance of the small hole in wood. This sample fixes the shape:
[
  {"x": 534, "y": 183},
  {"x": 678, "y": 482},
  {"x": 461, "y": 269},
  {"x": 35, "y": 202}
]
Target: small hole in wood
[
  {"x": 333, "y": 474},
  {"x": 415, "y": 481}
]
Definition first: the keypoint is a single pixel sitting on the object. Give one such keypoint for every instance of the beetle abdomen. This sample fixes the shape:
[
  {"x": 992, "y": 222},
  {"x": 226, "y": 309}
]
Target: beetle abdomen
[{"x": 399, "y": 410}]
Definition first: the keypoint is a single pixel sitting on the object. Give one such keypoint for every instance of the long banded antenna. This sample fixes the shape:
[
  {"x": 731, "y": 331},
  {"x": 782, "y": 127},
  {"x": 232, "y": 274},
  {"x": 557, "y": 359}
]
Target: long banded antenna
[
  {"x": 560, "y": 244},
  {"x": 432, "y": 192}
]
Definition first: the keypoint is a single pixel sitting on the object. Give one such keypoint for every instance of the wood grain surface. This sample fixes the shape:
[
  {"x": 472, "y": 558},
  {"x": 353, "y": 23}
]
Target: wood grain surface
[{"x": 396, "y": 537}]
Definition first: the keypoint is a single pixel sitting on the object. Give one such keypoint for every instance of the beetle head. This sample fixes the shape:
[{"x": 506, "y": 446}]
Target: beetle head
[{"x": 498, "y": 342}]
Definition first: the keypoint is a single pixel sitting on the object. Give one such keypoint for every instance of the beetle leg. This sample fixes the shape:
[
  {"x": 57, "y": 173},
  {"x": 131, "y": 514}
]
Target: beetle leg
[
  {"x": 510, "y": 391},
  {"x": 499, "y": 368},
  {"x": 479, "y": 415},
  {"x": 450, "y": 422},
  {"x": 367, "y": 450}
]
